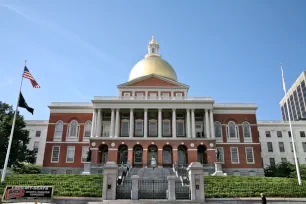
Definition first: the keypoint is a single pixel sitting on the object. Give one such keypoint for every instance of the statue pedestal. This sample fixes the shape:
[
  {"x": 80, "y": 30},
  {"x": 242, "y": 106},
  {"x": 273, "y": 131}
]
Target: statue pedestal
[{"x": 218, "y": 170}]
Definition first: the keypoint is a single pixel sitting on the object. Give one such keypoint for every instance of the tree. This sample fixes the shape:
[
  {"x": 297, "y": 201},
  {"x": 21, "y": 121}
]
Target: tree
[
  {"x": 282, "y": 169},
  {"x": 26, "y": 168},
  {"x": 19, "y": 151},
  {"x": 302, "y": 171}
]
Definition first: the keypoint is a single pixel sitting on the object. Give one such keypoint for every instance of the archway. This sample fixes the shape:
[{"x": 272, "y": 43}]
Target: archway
[
  {"x": 152, "y": 152},
  {"x": 137, "y": 155},
  {"x": 122, "y": 154},
  {"x": 202, "y": 154},
  {"x": 182, "y": 155},
  {"x": 103, "y": 150},
  {"x": 167, "y": 156}
]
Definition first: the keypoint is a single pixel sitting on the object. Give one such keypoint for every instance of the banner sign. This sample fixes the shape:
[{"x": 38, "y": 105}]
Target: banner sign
[{"x": 27, "y": 193}]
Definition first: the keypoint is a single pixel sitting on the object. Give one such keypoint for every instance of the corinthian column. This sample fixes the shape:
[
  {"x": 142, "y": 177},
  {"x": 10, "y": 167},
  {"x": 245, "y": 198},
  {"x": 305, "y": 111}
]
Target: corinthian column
[
  {"x": 174, "y": 123},
  {"x": 207, "y": 124},
  {"x": 211, "y": 124},
  {"x": 193, "y": 124},
  {"x": 99, "y": 124},
  {"x": 93, "y": 123},
  {"x": 188, "y": 123},
  {"x": 145, "y": 125},
  {"x": 112, "y": 125},
  {"x": 117, "y": 123},
  {"x": 131, "y": 123},
  {"x": 159, "y": 122}
]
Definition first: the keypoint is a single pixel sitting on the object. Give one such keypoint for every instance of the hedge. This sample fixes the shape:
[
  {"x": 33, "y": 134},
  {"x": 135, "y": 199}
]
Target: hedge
[
  {"x": 215, "y": 187},
  {"x": 64, "y": 185},
  {"x": 244, "y": 186}
]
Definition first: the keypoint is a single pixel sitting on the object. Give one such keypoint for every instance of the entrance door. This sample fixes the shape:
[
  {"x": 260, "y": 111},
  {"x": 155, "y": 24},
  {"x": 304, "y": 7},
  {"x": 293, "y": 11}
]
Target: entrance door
[
  {"x": 152, "y": 152},
  {"x": 199, "y": 129},
  {"x": 104, "y": 157}
]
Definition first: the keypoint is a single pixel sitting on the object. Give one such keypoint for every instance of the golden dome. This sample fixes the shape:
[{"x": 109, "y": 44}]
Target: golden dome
[{"x": 153, "y": 64}]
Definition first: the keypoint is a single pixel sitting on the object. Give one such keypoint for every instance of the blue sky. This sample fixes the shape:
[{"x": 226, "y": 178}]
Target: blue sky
[{"x": 230, "y": 50}]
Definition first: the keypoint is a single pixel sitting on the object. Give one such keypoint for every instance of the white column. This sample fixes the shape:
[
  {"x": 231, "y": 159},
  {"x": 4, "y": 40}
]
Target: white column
[
  {"x": 145, "y": 123},
  {"x": 93, "y": 123},
  {"x": 193, "y": 124},
  {"x": 117, "y": 123},
  {"x": 160, "y": 122},
  {"x": 131, "y": 123},
  {"x": 188, "y": 123},
  {"x": 207, "y": 124},
  {"x": 112, "y": 125},
  {"x": 212, "y": 131},
  {"x": 99, "y": 124},
  {"x": 174, "y": 123}
]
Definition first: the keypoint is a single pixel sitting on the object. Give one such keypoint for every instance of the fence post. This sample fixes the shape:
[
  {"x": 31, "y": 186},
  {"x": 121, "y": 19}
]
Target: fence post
[
  {"x": 86, "y": 168},
  {"x": 110, "y": 181},
  {"x": 196, "y": 178},
  {"x": 171, "y": 187},
  {"x": 134, "y": 191}
]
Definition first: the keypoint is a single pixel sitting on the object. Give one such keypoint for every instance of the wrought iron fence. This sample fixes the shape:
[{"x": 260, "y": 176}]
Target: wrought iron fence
[
  {"x": 124, "y": 191},
  {"x": 152, "y": 189},
  {"x": 182, "y": 190}
]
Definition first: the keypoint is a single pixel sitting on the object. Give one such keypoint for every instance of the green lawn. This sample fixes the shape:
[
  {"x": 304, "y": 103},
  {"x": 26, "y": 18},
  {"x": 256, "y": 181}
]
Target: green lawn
[
  {"x": 244, "y": 186},
  {"x": 64, "y": 185},
  {"x": 215, "y": 187}
]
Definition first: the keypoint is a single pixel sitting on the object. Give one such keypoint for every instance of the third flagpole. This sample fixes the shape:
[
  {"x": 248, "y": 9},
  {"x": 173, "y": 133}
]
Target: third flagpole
[
  {"x": 290, "y": 125},
  {"x": 12, "y": 130}
]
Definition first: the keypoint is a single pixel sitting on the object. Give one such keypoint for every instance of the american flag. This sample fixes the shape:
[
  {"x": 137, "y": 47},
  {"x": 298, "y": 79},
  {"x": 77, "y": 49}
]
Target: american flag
[{"x": 28, "y": 75}]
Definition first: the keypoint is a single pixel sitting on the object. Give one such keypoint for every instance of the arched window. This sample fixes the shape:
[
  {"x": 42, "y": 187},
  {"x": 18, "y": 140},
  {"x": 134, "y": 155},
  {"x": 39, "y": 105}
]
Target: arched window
[
  {"x": 87, "y": 129},
  {"x": 58, "y": 129},
  {"x": 167, "y": 155},
  {"x": 138, "y": 155},
  {"x": 73, "y": 129},
  {"x": 246, "y": 130},
  {"x": 218, "y": 129},
  {"x": 182, "y": 155},
  {"x": 232, "y": 130}
]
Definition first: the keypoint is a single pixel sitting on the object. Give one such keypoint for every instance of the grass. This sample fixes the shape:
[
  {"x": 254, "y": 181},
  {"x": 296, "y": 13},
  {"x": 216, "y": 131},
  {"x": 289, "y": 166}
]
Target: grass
[
  {"x": 64, "y": 185},
  {"x": 244, "y": 186}
]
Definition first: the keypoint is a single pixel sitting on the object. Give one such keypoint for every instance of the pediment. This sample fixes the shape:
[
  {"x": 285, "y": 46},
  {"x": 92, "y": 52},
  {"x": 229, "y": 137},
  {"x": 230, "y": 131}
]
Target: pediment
[{"x": 153, "y": 80}]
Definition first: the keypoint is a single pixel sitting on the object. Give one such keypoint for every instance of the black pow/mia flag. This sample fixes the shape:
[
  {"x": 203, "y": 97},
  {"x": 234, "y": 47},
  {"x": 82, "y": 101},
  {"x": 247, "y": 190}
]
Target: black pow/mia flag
[{"x": 23, "y": 104}]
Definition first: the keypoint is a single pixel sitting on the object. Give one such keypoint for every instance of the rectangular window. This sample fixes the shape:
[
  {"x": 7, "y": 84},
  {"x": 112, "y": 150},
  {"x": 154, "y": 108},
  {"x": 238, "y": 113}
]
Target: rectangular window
[
  {"x": 36, "y": 146},
  {"x": 139, "y": 128},
  {"x": 38, "y": 133},
  {"x": 70, "y": 154},
  {"x": 272, "y": 161},
  {"x": 153, "y": 128},
  {"x": 180, "y": 130},
  {"x": 221, "y": 154},
  {"x": 270, "y": 147},
  {"x": 304, "y": 146},
  {"x": 55, "y": 154},
  {"x": 84, "y": 153},
  {"x": 249, "y": 155},
  {"x": 268, "y": 134},
  {"x": 125, "y": 128},
  {"x": 284, "y": 159},
  {"x": 289, "y": 133},
  {"x": 302, "y": 133},
  {"x": 235, "y": 155},
  {"x": 178, "y": 94},
  {"x": 166, "y": 128},
  {"x": 281, "y": 147},
  {"x": 279, "y": 134}
]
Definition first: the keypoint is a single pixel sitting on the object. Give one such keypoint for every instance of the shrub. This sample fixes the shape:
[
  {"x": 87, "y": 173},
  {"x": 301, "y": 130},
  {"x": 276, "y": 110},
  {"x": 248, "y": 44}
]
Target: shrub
[
  {"x": 26, "y": 168},
  {"x": 282, "y": 169}
]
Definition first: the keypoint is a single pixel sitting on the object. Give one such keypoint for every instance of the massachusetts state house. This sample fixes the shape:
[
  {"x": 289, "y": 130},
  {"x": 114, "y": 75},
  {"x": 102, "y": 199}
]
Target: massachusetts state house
[{"x": 153, "y": 117}]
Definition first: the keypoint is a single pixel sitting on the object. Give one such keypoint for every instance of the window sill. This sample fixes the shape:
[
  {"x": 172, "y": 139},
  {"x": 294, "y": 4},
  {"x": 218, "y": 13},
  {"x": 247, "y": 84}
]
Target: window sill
[
  {"x": 57, "y": 139},
  {"x": 233, "y": 140},
  {"x": 72, "y": 139}
]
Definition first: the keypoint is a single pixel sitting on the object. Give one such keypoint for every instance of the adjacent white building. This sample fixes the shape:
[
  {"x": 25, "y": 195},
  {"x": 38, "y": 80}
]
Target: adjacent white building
[
  {"x": 38, "y": 133},
  {"x": 276, "y": 143}
]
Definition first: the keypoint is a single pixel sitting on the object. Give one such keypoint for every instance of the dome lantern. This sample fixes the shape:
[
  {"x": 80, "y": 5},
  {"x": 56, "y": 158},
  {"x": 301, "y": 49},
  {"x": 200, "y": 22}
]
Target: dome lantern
[{"x": 153, "y": 48}]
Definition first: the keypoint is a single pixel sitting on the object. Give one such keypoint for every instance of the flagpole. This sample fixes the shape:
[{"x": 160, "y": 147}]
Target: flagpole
[
  {"x": 12, "y": 131},
  {"x": 290, "y": 125}
]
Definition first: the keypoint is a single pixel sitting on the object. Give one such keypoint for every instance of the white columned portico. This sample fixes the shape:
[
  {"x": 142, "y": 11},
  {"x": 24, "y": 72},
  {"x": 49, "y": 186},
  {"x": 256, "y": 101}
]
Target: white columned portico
[
  {"x": 174, "y": 123},
  {"x": 206, "y": 124},
  {"x": 145, "y": 125},
  {"x": 188, "y": 123},
  {"x": 99, "y": 124},
  {"x": 117, "y": 123},
  {"x": 93, "y": 123},
  {"x": 193, "y": 124},
  {"x": 212, "y": 131},
  {"x": 131, "y": 123},
  {"x": 112, "y": 128},
  {"x": 159, "y": 122}
]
